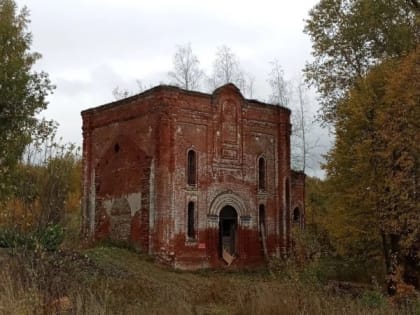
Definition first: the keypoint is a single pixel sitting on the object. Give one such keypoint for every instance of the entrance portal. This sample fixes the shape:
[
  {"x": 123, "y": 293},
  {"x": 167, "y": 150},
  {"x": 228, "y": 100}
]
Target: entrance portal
[{"x": 228, "y": 223}]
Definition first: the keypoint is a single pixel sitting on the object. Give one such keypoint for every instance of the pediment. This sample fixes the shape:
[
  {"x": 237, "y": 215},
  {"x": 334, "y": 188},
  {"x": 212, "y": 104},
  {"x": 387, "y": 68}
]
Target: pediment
[{"x": 229, "y": 90}]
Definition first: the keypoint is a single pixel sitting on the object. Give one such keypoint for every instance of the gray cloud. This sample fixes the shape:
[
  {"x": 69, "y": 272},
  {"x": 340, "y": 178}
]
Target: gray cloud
[{"x": 91, "y": 46}]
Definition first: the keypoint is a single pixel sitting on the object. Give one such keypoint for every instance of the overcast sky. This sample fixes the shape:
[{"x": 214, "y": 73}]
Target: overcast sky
[{"x": 89, "y": 47}]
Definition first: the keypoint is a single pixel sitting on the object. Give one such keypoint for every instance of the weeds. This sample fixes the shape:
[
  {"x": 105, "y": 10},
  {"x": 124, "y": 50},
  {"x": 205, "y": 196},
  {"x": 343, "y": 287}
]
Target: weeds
[
  {"x": 108, "y": 280},
  {"x": 48, "y": 238}
]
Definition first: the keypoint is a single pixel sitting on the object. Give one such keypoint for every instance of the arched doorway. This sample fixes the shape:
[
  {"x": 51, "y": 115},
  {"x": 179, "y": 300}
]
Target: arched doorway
[{"x": 228, "y": 224}]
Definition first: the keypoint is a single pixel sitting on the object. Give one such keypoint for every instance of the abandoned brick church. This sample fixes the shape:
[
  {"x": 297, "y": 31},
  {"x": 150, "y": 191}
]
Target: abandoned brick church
[{"x": 196, "y": 180}]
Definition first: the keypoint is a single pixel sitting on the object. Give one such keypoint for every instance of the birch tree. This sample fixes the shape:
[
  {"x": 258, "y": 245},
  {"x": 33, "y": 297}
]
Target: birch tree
[
  {"x": 280, "y": 88},
  {"x": 186, "y": 73},
  {"x": 304, "y": 142},
  {"x": 226, "y": 68}
]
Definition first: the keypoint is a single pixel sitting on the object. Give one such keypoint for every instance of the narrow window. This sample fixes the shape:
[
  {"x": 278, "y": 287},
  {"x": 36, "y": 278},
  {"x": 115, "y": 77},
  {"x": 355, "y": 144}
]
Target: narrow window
[
  {"x": 191, "y": 168},
  {"x": 296, "y": 215},
  {"x": 261, "y": 173},
  {"x": 191, "y": 220}
]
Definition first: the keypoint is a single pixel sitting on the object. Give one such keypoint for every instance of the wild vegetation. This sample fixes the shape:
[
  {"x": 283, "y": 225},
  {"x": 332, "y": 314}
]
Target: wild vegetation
[
  {"x": 109, "y": 280},
  {"x": 366, "y": 69}
]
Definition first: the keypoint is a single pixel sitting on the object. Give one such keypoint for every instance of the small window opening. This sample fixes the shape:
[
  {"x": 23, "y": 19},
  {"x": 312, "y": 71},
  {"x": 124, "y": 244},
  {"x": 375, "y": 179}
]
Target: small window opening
[
  {"x": 116, "y": 147},
  {"x": 191, "y": 168},
  {"x": 261, "y": 173},
  {"x": 296, "y": 215},
  {"x": 191, "y": 220}
]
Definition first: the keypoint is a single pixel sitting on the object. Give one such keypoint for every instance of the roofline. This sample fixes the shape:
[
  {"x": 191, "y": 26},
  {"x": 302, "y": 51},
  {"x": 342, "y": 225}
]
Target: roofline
[
  {"x": 298, "y": 172},
  {"x": 261, "y": 103},
  {"x": 130, "y": 99}
]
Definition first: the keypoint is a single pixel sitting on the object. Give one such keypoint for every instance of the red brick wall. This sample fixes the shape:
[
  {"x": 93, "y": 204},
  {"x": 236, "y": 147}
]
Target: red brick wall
[{"x": 147, "y": 175}]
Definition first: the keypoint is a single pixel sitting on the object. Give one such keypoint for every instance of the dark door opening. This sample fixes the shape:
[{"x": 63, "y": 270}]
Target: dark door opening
[
  {"x": 228, "y": 222},
  {"x": 296, "y": 215}
]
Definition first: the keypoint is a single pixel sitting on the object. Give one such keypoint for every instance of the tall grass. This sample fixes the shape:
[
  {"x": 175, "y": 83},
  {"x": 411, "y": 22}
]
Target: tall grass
[{"x": 117, "y": 281}]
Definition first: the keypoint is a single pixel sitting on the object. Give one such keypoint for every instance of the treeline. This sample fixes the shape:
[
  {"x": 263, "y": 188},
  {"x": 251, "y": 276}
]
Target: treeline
[
  {"x": 39, "y": 176},
  {"x": 366, "y": 68},
  {"x": 188, "y": 74}
]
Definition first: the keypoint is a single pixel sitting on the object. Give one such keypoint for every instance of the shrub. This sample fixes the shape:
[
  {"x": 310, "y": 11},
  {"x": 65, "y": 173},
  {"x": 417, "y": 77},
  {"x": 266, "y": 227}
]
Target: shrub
[
  {"x": 49, "y": 238},
  {"x": 12, "y": 238},
  {"x": 374, "y": 299}
]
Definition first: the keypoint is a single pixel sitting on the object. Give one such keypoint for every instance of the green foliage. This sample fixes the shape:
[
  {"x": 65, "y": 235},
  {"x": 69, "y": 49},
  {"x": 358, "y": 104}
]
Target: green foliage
[
  {"x": 348, "y": 253},
  {"x": 12, "y": 238},
  {"x": 366, "y": 69},
  {"x": 49, "y": 238},
  {"x": 46, "y": 186},
  {"x": 373, "y": 168},
  {"x": 373, "y": 299},
  {"x": 22, "y": 91},
  {"x": 350, "y": 37},
  {"x": 55, "y": 186}
]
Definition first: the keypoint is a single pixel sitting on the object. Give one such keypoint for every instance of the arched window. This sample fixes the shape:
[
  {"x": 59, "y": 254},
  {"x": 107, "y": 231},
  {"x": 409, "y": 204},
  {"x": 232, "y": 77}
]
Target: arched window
[
  {"x": 261, "y": 173},
  {"x": 296, "y": 215},
  {"x": 191, "y": 168},
  {"x": 191, "y": 220}
]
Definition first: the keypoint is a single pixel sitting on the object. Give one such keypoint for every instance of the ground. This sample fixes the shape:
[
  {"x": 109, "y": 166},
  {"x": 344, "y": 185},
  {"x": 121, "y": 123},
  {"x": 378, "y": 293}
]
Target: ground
[{"x": 109, "y": 280}]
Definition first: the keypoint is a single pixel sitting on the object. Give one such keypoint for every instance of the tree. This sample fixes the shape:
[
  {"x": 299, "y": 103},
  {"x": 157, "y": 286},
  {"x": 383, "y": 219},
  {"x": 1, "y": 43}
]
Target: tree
[
  {"x": 303, "y": 141},
  {"x": 358, "y": 47},
  {"x": 284, "y": 93},
  {"x": 186, "y": 73},
  {"x": 226, "y": 68},
  {"x": 250, "y": 85},
  {"x": 280, "y": 92},
  {"x": 374, "y": 166},
  {"x": 23, "y": 91},
  {"x": 350, "y": 37},
  {"x": 46, "y": 185},
  {"x": 246, "y": 83},
  {"x": 120, "y": 93}
]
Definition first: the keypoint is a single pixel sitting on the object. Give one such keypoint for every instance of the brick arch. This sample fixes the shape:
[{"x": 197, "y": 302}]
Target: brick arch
[
  {"x": 297, "y": 205},
  {"x": 229, "y": 198},
  {"x": 116, "y": 166}
]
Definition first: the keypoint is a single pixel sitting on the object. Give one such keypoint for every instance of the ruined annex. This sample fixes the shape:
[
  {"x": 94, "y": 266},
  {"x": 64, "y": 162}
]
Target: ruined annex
[{"x": 197, "y": 180}]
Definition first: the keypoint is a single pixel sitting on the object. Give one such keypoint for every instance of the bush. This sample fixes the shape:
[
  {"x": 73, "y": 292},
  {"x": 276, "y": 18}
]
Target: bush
[
  {"x": 12, "y": 238},
  {"x": 49, "y": 238},
  {"x": 374, "y": 299}
]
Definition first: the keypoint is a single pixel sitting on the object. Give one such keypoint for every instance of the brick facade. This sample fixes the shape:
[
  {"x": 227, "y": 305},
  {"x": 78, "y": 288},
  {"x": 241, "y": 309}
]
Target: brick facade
[{"x": 187, "y": 176}]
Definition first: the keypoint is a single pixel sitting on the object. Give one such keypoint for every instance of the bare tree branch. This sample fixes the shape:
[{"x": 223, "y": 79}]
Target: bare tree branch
[
  {"x": 226, "y": 69},
  {"x": 279, "y": 86},
  {"x": 186, "y": 73}
]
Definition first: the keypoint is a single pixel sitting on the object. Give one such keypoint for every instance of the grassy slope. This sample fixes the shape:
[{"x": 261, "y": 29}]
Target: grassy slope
[
  {"x": 139, "y": 285},
  {"x": 108, "y": 280}
]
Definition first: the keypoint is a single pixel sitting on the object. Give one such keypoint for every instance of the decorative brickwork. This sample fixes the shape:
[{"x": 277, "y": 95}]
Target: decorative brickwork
[{"x": 185, "y": 176}]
